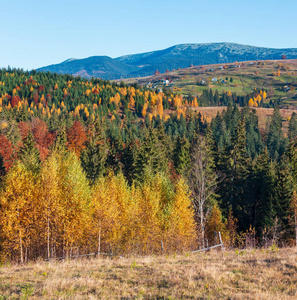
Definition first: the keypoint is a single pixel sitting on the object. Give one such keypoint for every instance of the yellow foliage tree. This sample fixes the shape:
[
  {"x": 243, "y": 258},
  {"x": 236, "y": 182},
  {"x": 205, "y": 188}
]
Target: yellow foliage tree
[
  {"x": 117, "y": 99},
  {"x": 19, "y": 215},
  {"x": 182, "y": 228},
  {"x": 131, "y": 104},
  {"x": 160, "y": 108},
  {"x": 144, "y": 109},
  {"x": 194, "y": 102},
  {"x": 214, "y": 223},
  {"x": 113, "y": 214},
  {"x": 51, "y": 203},
  {"x": 150, "y": 213},
  {"x": 75, "y": 199}
]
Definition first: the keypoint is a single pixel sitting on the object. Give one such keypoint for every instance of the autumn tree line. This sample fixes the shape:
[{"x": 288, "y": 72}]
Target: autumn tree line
[{"x": 89, "y": 166}]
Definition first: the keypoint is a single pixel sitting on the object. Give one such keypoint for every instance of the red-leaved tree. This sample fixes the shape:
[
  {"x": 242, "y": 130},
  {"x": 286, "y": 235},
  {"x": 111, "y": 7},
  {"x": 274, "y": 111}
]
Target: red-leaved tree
[
  {"x": 76, "y": 138},
  {"x": 43, "y": 138},
  {"x": 6, "y": 152},
  {"x": 14, "y": 101},
  {"x": 24, "y": 128}
]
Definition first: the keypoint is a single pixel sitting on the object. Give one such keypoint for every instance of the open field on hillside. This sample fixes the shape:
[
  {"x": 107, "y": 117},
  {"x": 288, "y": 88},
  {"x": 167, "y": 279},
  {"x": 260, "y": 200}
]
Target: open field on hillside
[
  {"x": 234, "y": 274},
  {"x": 262, "y": 113},
  {"x": 249, "y": 76}
]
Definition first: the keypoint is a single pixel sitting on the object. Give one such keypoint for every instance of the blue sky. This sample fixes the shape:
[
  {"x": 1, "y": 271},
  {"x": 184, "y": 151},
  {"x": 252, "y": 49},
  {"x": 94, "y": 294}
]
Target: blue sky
[{"x": 38, "y": 33}]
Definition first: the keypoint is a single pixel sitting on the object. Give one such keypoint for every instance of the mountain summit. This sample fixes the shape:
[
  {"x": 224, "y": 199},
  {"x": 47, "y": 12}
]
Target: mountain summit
[{"x": 179, "y": 56}]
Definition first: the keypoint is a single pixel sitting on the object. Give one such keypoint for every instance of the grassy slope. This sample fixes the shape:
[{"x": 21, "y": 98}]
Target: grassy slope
[
  {"x": 252, "y": 274},
  {"x": 247, "y": 78}
]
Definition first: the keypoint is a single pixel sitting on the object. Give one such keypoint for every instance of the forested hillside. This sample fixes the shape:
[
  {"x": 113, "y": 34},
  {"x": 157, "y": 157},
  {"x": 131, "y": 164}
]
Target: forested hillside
[{"x": 91, "y": 166}]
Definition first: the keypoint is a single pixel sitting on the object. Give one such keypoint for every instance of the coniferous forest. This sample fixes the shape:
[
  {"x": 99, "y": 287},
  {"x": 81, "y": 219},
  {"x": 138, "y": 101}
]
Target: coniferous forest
[{"x": 91, "y": 166}]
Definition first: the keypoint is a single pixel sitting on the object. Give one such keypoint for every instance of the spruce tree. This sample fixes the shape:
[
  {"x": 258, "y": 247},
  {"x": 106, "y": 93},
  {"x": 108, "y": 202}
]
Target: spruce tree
[
  {"x": 235, "y": 165},
  {"x": 151, "y": 155},
  {"x": 263, "y": 193},
  {"x": 276, "y": 143},
  {"x": 129, "y": 157},
  {"x": 181, "y": 156},
  {"x": 29, "y": 154},
  {"x": 293, "y": 126},
  {"x": 285, "y": 188},
  {"x": 93, "y": 157}
]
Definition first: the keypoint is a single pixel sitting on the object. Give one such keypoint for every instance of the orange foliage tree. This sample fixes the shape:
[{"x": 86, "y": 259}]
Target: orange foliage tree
[
  {"x": 6, "y": 152},
  {"x": 76, "y": 138}
]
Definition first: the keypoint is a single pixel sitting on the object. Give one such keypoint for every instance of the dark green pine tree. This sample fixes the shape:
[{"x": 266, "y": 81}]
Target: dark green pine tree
[
  {"x": 253, "y": 136},
  {"x": 2, "y": 168},
  {"x": 262, "y": 193},
  {"x": 220, "y": 132},
  {"x": 216, "y": 98},
  {"x": 61, "y": 140},
  {"x": 94, "y": 156},
  {"x": 292, "y": 155},
  {"x": 115, "y": 151},
  {"x": 165, "y": 139},
  {"x": 181, "y": 156},
  {"x": 151, "y": 155},
  {"x": 285, "y": 188},
  {"x": 191, "y": 128},
  {"x": 293, "y": 127},
  {"x": 129, "y": 157},
  {"x": 235, "y": 165},
  {"x": 210, "y": 140},
  {"x": 275, "y": 140},
  {"x": 29, "y": 154}
]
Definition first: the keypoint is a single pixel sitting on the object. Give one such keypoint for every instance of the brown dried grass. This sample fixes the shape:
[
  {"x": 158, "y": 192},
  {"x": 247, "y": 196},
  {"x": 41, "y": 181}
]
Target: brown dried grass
[
  {"x": 234, "y": 274},
  {"x": 262, "y": 113}
]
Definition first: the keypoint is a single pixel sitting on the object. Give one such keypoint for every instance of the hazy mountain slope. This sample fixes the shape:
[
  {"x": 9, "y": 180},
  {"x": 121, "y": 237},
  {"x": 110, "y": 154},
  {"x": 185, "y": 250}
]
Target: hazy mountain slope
[
  {"x": 182, "y": 56},
  {"x": 95, "y": 66},
  {"x": 179, "y": 56}
]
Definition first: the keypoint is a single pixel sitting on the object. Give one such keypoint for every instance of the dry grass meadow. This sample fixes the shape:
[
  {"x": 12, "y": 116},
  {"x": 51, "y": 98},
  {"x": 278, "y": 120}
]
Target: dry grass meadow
[
  {"x": 263, "y": 114},
  {"x": 234, "y": 274}
]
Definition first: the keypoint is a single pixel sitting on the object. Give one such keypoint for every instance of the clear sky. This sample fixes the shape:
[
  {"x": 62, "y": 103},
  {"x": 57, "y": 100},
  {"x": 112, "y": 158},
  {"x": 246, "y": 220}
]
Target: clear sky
[{"x": 36, "y": 33}]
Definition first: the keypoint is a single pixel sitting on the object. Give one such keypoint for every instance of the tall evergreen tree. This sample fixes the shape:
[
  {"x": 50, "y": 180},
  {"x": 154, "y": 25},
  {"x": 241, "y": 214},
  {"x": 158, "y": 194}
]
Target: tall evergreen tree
[
  {"x": 293, "y": 127},
  {"x": 93, "y": 157},
  {"x": 276, "y": 143},
  {"x": 129, "y": 157},
  {"x": 285, "y": 188},
  {"x": 263, "y": 193},
  {"x": 181, "y": 156},
  {"x": 152, "y": 155},
  {"x": 29, "y": 154},
  {"x": 235, "y": 165}
]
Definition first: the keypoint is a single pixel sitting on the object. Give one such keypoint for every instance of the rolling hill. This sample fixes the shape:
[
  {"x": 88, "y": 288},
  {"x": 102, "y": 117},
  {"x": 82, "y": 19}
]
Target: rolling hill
[
  {"x": 277, "y": 77},
  {"x": 179, "y": 56},
  {"x": 95, "y": 66}
]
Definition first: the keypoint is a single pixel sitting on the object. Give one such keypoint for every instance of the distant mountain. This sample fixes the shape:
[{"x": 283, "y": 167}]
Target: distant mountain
[
  {"x": 179, "y": 56},
  {"x": 94, "y": 66}
]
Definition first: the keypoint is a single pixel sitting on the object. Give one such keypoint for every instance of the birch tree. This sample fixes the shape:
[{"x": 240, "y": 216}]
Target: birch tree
[{"x": 203, "y": 181}]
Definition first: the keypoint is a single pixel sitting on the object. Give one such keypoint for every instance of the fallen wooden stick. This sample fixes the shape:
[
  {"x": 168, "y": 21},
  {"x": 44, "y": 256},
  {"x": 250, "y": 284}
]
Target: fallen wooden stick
[{"x": 208, "y": 248}]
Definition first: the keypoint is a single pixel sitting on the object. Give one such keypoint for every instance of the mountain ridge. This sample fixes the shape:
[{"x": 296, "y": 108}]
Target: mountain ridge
[{"x": 174, "y": 57}]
